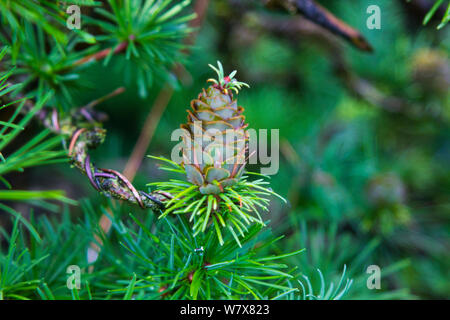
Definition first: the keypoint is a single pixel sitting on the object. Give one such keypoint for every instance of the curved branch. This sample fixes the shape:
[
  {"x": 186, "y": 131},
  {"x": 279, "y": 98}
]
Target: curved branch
[{"x": 84, "y": 135}]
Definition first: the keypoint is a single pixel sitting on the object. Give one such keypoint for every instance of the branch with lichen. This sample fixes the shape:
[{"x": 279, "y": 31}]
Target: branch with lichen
[{"x": 82, "y": 130}]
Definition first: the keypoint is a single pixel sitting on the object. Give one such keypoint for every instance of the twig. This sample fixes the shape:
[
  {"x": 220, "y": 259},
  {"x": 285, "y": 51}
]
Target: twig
[
  {"x": 321, "y": 16},
  {"x": 84, "y": 136},
  {"x": 102, "y": 54},
  {"x": 147, "y": 132}
]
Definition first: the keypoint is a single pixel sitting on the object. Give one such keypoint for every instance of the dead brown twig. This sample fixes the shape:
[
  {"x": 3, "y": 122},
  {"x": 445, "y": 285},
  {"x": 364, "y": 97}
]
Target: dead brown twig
[{"x": 321, "y": 16}]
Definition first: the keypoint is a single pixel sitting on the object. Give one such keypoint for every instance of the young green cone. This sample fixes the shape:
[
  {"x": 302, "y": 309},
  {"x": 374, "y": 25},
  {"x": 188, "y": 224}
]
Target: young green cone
[
  {"x": 215, "y": 136},
  {"x": 215, "y": 139}
]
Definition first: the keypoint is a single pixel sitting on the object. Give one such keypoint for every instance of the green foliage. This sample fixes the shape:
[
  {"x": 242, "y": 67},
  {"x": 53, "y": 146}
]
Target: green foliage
[
  {"x": 48, "y": 65},
  {"x": 49, "y": 57},
  {"x": 235, "y": 209},
  {"x": 15, "y": 267},
  {"x": 40, "y": 150},
  {"x": 172, "y": 263},
  {"x": 434, "y": 8},
  {"x": 152, "y": 29},
  {"x": 330, "y": 293},
  {"x": 161, "y": 256},
  {"x": 330, "y": 251},
  {"x": 36, "y": 266},
  {"x": 227, "y": 82},
  {"x": 44, "y": 13}
]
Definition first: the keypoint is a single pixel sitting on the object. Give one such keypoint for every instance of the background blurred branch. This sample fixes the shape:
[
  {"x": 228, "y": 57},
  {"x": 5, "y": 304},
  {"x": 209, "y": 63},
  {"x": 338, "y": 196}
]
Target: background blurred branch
[
  {"x": 301, "y": 29},
  {"x": 321, "y": 16}
]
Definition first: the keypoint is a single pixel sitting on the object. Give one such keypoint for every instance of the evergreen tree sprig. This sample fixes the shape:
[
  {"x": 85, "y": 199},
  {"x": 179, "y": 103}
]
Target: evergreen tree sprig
[{"x": 234, "y": 210}]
